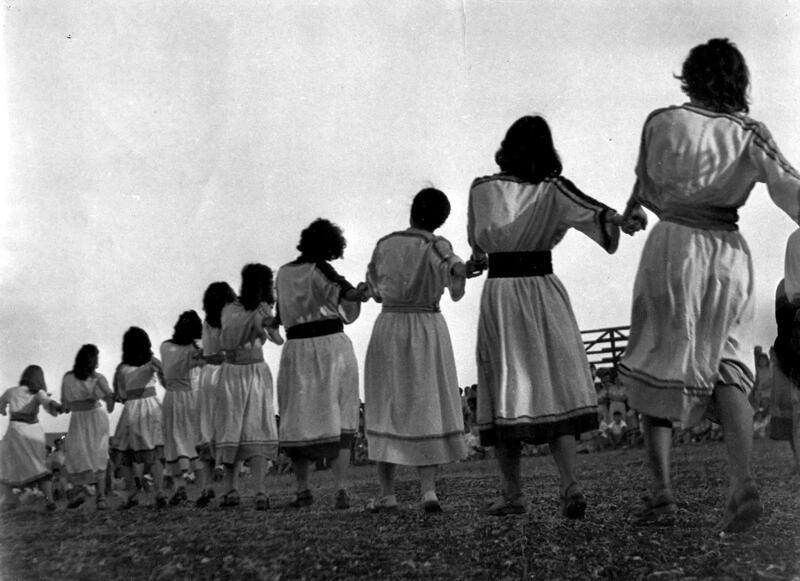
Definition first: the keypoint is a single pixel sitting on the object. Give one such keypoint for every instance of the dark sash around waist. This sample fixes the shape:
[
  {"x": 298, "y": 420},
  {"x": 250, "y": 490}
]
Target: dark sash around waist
[
  {"x": 315, "y": 329},
  {"x": 140, "y": 393},
  {"x": 411, "y": 309},
  {"x": 82, "y": 405},
  {"x": 520, "y": 264},
  {"x": 244, "y": 356},
  {"x": 702, "y": 218},
  {"x": 23, "y": 417}
]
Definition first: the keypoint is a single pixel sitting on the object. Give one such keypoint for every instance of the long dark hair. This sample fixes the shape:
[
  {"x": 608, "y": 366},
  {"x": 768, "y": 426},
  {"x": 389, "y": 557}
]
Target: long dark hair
[
  {"x": 136, "y": 347},
  {"x": 217, "y": 295},
  {"x": 33, "y": 379},
  {"x": 188, "y": 328},
  {"x": 85, "y": 361},
  {"x": 256, "y": 286},
  {"x": 527, "y": 152},
  {"x": 715, "y": 74}
]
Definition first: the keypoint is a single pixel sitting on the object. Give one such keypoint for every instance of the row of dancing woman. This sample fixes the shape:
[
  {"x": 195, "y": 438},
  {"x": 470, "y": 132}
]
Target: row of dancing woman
[{"x": 688, "y": 352}]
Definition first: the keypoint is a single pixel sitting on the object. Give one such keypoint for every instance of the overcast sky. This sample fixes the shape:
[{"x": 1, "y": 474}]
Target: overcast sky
[{"x": 155, "y": 147}]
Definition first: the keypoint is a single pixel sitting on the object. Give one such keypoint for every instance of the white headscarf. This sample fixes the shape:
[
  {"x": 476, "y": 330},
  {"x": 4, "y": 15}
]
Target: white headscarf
[{"x": 791, "y": 267}]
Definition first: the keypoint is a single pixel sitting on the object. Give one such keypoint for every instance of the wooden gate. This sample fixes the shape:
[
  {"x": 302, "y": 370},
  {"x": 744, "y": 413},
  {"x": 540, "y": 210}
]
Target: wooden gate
[{"x": 605, "y": 346}]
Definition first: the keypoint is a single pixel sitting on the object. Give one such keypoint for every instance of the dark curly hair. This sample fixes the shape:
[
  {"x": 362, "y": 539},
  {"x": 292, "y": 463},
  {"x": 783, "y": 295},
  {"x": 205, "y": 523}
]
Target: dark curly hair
[
  {"x": 430, "y": 209},
  {"x": 322, "y": 240},
  {"x": 136, "y": 347},
  {"x": 256, "y": 286},
  {"x": 527, "y": 152},
  {"x": 715, "y": 74},
  {"x": 188, "y": 328},
  {"x": 217, "y": 295},
  {"x": 85, "y": 362},
  {"x": 33, "y": 379}
]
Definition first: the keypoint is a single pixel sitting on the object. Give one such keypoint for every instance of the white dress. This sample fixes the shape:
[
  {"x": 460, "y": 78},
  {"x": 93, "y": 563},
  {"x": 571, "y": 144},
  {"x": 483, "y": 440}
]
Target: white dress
[
  {"x": 139, "y": 428},
  {"x": 412, "y": 404},
  {"x": 534, "y": 382},
  {"x": 86, "y": 444},
  {"x": 244, "y": 413},
  {"x": 318, "y": 374},
  {"x": 208, "y": 381},
  {"x": 693, "y": 304},
  {"x": 22, "y": 450},
  {"x": 181, "y": 406}
]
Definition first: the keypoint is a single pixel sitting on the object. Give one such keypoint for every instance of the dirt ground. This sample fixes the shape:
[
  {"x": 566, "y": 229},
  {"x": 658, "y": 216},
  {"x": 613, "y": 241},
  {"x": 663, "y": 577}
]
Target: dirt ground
[{"x": 321, "y": 543}]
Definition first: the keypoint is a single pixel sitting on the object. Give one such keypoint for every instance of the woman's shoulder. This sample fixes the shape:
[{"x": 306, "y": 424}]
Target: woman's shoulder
[{"x": 501, "y": 179}]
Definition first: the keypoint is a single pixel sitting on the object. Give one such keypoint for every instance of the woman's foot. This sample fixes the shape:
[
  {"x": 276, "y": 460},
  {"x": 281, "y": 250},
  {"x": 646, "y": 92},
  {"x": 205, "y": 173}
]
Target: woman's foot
[
  {"x": 179, "y": 496},
  {"x": 657, "y": 510},
  {"x": 131, "y": 502},
  {"x": 205, "y": 498},
  {"x": 49, "y": 505},
  {"x": 430, "y": 503},
  {"x": 161, "y": 501},
  {"x": 302, "y": 499},
  {"x": 230, "y": 499},
  {"x": 743, "y": 509},
  {"x": 101, "y": 503},
  {"x": 78, "y": 498},
  {"x": 262, "y": 501},
  {"x": 341, "y": 501},
  {"x": 573, "y": 503},
  {"x": 505, "y": 505},
  {"x": 383, "y": 504}
]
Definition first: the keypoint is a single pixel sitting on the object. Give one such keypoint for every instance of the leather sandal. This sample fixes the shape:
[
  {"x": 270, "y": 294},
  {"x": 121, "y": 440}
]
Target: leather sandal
[
  {"x": 230, "y": 499},
  {"x": 573, "y": 503},
  {"x": 505, "y": 505}
]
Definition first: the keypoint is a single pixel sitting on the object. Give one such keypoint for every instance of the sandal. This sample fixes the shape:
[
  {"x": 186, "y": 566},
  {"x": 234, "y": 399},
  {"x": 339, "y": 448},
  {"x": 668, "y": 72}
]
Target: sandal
[
  {"x": 262, "y": 501},
  {"x": 130, "y": 503},
  {"x": 505, "y": 505},
  {"x": 76, "y": 501},
  {"x": 179, "y": 497},
  {"x": 573, "y": 504},
  {"x": 743, "y": 510},
  {"x": 230, "y": 499},
  {"x": 161, "y": 501},
  {"x": 302, "y": 499},
  {"x": 342, "y": 500},
  {"x": 101, "y": 503},
  {"x": 205, "y": 498},
  {"x": 383, "y": 504},
  {"x": 49, "y": 505},
  {"x": 656, "y": 511}
]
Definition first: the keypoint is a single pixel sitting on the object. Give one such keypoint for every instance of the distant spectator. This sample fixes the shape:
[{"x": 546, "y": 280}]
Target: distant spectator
[{"x": 617, "y": 429}]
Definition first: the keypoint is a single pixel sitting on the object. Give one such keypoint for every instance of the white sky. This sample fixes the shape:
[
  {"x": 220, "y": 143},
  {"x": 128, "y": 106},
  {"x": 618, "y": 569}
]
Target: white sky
[{"x": 154, "y": 147}]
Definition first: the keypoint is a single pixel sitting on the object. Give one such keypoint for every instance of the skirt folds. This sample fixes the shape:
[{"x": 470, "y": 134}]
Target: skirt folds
[
  {"x": 244, "y": 414},
  {"x": 318, "y": 396},
  {"x": 534, "y": 383},
  {"x": 86, "y": 445},
  {"x": 180, "y": 416},
  {"x": 413, "y": 412},
  {"x": 691, "y": 322},
  {"x": 23, "y": 455}
]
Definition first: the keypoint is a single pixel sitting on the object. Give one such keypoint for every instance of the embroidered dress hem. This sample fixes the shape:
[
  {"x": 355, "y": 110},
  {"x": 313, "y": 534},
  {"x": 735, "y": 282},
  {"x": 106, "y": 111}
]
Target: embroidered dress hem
[
  {"x": 28, "y": 481},
  {"x": 84, "y": 477},
  {"x": 422, "y": 450},
  {"x": 328, "y": 448},
  {"x": 243, "y": 451},
  {"x": 539, "y": 430}
]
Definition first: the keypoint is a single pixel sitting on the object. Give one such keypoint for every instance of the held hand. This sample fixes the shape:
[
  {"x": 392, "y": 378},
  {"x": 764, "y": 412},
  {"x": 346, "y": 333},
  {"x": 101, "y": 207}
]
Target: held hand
[
  {"x": 633, "y": 220},
  {"x": 274, "y": 335},
  {"x": 475, "y": 267}
]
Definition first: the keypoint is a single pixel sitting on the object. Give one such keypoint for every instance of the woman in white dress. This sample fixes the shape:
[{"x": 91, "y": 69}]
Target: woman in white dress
[
  {"x": 181, "y": 405},
  {"x": 412, "y": 404},
  {"x": 318, "y": 374},
  {"x": 692, "y": 316},
  {"x": 217, "y": 295},
  {"x": 244, "y": 420},
  {"x": 22, "y": 450},
  {"x": 86, "y": 444},
  {"x": 139, "y": 437},
  {"x": 534, "y": 382}
]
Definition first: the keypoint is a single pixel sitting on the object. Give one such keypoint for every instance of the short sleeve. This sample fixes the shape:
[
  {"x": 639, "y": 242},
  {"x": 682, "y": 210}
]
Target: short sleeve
[
  {"x": 782, "y": 180},
  {"x": 101, "y": 387},
  {"x": 443, "y": 250},
  {"x": 587, "y": 215}
]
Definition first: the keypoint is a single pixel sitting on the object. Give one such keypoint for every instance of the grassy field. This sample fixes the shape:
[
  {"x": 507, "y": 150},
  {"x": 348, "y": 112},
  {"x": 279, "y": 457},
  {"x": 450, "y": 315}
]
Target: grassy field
[{"x": 461, "y": 543}]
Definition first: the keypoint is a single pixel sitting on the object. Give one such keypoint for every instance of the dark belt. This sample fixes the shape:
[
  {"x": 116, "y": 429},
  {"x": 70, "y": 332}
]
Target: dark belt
[
  {"x": 411, "y": 309},
  {"x": 520, "y": 264},
  {"x": 26, "y": 418},
  {"x": 140, "y": 393},
  {"x": 702, "y": 218},
  {"x": 315, "y": 329}
]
